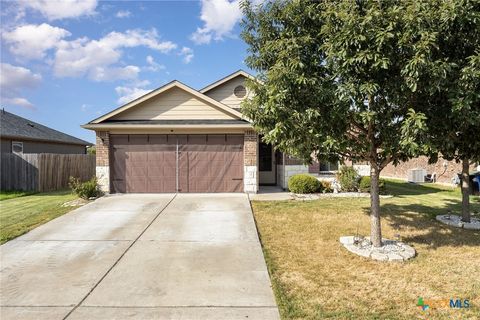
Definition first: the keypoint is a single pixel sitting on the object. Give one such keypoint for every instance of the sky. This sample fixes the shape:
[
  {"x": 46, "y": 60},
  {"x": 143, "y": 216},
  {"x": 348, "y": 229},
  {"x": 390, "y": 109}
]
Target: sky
[{"x": 65, "y": 63}]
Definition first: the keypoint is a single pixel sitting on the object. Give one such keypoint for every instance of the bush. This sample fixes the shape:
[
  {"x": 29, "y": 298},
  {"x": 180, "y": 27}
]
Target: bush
[
  {"x": 365, "y": 183},
  {"x": 348, "y": 178},
  {"x": 326, "y": 187},
  {"x": 85, "y": 189},
  {"x": 303, "y": 183}
]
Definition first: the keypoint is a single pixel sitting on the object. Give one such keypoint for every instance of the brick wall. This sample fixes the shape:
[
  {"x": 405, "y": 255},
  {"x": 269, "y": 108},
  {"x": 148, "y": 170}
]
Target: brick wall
[
  {"x": 444, "y": 169},
  {"x": 102, "y": 148},
  {"x": 250, "y": 173},
  {"x": 250, "y": 148},
  {"x": 103, "y": 159}
]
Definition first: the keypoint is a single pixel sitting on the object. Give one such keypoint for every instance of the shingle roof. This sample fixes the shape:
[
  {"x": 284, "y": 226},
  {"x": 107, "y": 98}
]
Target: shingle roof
[{"x": 13, "y": 126}]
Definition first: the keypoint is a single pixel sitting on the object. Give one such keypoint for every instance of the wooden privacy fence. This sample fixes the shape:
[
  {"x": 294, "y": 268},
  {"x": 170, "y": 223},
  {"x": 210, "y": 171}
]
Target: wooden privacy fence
[{"x": 44, "y": 171}]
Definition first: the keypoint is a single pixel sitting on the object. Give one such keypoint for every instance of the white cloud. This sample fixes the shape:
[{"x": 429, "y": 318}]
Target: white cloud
[
  {"x": 32, "y": 41},
  {"x": 123, "y": 14},
  {"x": 109, "y": 74},
  {"x": 12, "y": 80},
  {"x": 152, "y": 65},
  {"x": 128, "y": 94},
  {"x": 61, "y": 9},
  {"x": 219, "y": 18},
  {"x": 187, "y": 54},
  {"x": 95, "y": 58},
  {"x": 20, "y": 102}
]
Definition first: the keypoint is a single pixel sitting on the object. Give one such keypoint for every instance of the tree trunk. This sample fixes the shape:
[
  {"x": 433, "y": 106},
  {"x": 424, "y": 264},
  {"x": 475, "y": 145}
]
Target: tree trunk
[
  {"x": 465, "y": 191},
  {"x": 375, "y": 227}
]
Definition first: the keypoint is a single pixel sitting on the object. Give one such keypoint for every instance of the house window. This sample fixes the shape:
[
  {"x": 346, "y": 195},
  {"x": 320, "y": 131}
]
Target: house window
[
  {"x": 17, "y": 147},
  {"x": 240, "y": 92},
  {"x": 328, "y": 166}
]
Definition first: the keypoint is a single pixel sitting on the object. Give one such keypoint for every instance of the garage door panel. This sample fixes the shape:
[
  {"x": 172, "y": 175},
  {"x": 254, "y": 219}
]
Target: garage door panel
[
  {"x": 138, "y": 140},
  {"x": 206, "y": 163},
  {"x": 137, "y": 171},
  {"x": 156, "y": 184},
  {"x": 136, "y": 184},
  {"x": 201, "y": 184},
  {"x": 196, "y": 141},
  {"x": 233, "y": 185},
  {"x": 158, "y": 139},
  {"x": 234, "y": 139}
]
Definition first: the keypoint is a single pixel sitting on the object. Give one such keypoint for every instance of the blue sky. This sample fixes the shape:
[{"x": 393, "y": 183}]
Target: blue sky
[{"x": 65, "y": 63}]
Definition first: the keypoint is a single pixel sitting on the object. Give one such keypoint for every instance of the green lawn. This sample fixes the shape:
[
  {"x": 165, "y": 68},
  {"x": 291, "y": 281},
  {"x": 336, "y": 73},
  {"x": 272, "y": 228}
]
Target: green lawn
[
  {"x": 23, "y": 213},
  {"x": 314, "y": 277},
  {"x": 5, "y": 195}
]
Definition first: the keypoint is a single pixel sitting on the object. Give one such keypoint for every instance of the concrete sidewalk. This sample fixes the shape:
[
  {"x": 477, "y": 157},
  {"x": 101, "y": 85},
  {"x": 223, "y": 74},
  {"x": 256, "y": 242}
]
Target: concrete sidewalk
[{"x": 193, "y": 256}]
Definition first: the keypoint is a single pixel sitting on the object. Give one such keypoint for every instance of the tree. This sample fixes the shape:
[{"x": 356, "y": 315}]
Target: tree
[
  {"x": 452, "y": 90},
  {"x": 338, "y": 79}
]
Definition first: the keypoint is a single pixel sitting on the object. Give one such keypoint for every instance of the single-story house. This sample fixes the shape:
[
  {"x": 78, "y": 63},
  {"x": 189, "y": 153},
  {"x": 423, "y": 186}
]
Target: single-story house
[
  {"x": 178, "y": 139},
  {"x": 19, "y": 135}
]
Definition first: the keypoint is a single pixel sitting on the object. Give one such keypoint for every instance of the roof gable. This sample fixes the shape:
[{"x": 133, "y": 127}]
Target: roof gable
[
  {"x": 239, "y": 73},
  {"x": 174, "y": 100}
]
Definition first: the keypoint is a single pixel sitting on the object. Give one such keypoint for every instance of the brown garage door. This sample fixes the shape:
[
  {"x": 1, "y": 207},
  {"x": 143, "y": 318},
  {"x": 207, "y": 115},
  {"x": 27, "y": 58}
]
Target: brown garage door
[{"x": 183, "y": 163}]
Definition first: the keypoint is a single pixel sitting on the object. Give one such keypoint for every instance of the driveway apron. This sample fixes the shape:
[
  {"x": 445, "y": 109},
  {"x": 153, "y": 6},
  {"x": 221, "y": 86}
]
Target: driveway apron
[{"x": 145, "y": 256}]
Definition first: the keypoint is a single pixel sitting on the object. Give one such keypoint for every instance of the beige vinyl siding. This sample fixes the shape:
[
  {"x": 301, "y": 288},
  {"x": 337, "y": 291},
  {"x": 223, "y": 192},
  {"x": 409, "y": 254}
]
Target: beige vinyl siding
[
  {"x": 224, "y": 92},
  {"x": 174, "y": 104}
]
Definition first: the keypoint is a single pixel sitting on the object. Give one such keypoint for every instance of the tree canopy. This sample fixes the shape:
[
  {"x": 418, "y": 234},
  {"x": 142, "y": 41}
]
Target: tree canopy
[{"x": 351, "y": 79}]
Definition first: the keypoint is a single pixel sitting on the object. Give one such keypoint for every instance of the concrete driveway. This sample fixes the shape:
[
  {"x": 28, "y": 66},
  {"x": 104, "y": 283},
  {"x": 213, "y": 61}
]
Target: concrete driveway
[{"x": 140, "y": 256}]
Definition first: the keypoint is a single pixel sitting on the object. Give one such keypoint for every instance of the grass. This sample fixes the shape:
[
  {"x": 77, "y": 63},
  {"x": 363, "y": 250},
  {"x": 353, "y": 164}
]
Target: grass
[
  {"x": 314, "y": 277},
  {"x": 23, "y": 213},
  {"x": 5, "y": 195}
]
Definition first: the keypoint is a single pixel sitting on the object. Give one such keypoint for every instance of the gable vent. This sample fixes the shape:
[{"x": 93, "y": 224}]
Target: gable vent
[{"x": 240, "y": 91}]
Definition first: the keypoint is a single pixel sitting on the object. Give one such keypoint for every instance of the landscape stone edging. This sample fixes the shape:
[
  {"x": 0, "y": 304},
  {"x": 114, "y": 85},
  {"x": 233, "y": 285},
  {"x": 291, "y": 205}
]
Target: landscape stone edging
[
  {"x": 390, "y": 251},
  {"x": 316, "y": 196},
  {"x": 456, "y": 221}
]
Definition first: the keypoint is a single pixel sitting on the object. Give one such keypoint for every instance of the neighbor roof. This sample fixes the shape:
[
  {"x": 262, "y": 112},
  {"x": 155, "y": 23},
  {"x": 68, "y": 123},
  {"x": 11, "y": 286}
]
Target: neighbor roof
[
  {"x": 227, "y": 78},
  {"x": 15, "y": 127},
  {"x": 226, "y": 109}
]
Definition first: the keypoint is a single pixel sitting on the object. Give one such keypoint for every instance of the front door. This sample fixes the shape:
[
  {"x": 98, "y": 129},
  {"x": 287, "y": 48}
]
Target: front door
[{"x": 266, "y": 161}]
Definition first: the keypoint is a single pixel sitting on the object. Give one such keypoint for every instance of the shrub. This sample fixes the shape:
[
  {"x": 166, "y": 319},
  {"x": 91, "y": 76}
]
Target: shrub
[
  {"x": 348, "y": 178},
  {"x": 303, "y": 183},
  {"x": 365, "y": 183},
  {"x": 85, "y": 189},
  {"x": 326, "y": 187}
]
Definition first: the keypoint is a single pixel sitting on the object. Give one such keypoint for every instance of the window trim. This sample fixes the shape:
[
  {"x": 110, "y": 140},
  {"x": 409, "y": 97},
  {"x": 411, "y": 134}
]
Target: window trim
[{"x": 17, "y": 143}]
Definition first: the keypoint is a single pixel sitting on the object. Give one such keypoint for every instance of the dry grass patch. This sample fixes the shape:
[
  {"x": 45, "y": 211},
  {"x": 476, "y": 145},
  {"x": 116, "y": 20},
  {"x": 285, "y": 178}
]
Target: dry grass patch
[{"x": 314, "y": 277}]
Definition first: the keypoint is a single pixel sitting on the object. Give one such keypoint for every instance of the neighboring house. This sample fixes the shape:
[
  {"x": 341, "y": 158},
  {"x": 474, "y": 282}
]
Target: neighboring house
[
  {"x": 445, "y": 171},
  {"x": 19, "y": 135},
  {"x": 178, "y": 139}
]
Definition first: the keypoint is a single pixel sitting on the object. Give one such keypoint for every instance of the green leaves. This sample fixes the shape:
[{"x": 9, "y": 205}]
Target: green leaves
[{"x": 343, "y": 78}]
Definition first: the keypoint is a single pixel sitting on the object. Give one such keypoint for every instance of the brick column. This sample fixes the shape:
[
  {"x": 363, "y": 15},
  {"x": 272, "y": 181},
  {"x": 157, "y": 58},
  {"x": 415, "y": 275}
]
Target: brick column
[
  {"x": 103, "y": 160},
  {"x": 250, "y": 154}
]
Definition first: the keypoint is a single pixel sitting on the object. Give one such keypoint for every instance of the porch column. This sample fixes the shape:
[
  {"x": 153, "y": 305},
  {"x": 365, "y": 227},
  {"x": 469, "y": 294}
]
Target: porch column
[
  {"x": 250, "y": 166},
  {"x": 103, "y": 160}
]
